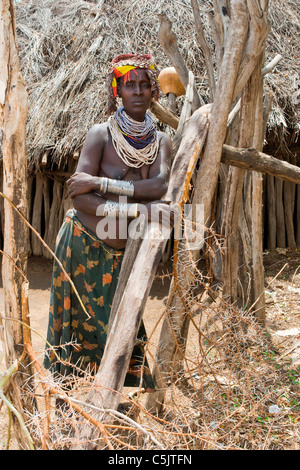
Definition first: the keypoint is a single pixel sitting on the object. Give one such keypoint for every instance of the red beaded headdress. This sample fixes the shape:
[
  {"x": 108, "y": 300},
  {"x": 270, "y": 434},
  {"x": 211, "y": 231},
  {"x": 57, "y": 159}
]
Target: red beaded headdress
[{"x": 122, "y": 66}]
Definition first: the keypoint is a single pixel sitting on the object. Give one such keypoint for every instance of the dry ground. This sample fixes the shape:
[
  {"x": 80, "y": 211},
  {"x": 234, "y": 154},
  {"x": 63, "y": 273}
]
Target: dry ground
[{"x": 270, "y": 430}]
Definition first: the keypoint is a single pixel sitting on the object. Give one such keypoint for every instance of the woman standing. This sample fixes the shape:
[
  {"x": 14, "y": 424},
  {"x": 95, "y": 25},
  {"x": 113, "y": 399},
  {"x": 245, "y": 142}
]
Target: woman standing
[{"x": 124, "y": 157}]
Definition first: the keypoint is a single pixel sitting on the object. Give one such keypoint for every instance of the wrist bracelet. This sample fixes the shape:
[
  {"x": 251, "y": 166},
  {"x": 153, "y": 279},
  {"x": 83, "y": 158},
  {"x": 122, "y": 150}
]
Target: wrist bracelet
[
  {"x": 120, "y": 187},
  {"x": 120, "y": 209}
]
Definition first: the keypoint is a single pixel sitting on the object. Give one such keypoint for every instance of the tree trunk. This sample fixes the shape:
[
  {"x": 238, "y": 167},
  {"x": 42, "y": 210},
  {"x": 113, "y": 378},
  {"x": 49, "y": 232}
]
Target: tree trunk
[{"x": 13, "y": 115}]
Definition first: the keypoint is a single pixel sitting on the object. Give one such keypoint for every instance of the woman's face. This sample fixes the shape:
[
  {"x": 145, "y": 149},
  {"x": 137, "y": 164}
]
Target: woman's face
[{"x": 136, "y": 94}]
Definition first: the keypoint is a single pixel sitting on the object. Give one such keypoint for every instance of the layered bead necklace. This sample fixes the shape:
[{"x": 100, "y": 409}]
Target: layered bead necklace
[{"x": 135, "y": 142}]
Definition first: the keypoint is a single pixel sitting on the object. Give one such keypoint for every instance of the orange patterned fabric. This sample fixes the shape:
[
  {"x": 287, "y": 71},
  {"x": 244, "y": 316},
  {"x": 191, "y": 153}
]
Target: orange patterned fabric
[{"x": 77, "y": 341}]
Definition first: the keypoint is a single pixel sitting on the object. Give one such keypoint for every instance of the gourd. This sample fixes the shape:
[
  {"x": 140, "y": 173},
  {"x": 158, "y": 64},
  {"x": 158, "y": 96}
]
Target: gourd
[{"x": 170, "y": 85}]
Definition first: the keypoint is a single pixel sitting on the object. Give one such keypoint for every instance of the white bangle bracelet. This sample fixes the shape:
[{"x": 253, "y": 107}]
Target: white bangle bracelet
[
  {"x": 120, "y": 187},
  {"x": 119, "y": 209}
]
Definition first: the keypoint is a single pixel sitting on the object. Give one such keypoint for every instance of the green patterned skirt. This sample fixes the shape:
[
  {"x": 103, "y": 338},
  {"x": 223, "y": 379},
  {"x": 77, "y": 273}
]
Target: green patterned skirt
[{"x": 77, "y": 340}]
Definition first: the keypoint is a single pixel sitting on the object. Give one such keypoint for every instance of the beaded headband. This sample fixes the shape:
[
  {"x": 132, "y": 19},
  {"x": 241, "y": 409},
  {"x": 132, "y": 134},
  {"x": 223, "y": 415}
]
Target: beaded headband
[{"x": 122, "y": 66}]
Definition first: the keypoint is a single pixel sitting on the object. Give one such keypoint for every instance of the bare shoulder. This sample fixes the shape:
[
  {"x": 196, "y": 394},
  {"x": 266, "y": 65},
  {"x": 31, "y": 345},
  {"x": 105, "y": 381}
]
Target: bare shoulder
[
  {"x": 98, "y": 133},
  {"x": 164, "y": 138},
  {"x": 96, "y": 138},
  {"x": 165, "y": 144},
  {"x": 92, "y": 149}
]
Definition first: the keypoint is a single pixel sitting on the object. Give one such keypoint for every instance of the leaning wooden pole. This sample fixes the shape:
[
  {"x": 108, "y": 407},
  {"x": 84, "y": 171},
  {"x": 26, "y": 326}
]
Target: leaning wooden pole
[
  {"x": 205, "y": 186},
  {"x": 110, "y": 378},
  {"x": 13, "y": 115},
  {"x": 209, "y": 168}
]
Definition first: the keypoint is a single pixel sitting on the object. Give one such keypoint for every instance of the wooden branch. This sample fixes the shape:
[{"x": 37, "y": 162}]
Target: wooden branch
[
  {"x": 168, "y": 41},
  {"x": 267, "y": 69},
  {"x": 219, "y": 27},
  {"x": 258, "y": 31},
  {"x": 164, "y": 115},
  {"x": 224, "y": 12},
  {"x": 271, "y": 65},
  {"x": 185, "y": 113},
  {"x": 252, "y": 159},
  {"x": 207, "y": 176},
  {"x": 221, "y": 10},
  {"x": 205, "y": 48},
  {"x": 215, "y": 32}
]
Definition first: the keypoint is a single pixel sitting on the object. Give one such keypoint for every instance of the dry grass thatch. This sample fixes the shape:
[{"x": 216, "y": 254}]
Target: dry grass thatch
[{"x": 66, "y": 47}]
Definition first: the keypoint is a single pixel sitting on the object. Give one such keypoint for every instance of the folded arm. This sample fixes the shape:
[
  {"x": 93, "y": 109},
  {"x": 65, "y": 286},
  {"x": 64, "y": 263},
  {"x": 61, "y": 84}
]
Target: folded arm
[{"x": 86, "y": 179}]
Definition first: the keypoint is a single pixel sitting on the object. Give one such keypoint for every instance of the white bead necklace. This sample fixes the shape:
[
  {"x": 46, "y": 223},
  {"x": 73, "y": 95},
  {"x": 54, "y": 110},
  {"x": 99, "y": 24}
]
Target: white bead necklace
[{"x": 119, "y": 124}]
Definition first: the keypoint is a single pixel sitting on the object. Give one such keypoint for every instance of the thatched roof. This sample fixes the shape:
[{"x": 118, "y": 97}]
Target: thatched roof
[{"x": 66, "y": 48}]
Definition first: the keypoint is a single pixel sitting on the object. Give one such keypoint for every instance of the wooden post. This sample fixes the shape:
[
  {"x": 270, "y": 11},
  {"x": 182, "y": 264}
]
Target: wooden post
[
  {"x": 37, "y": 248},
  {"x": 231, "y": 74},
  {"x": 280, "y": 223},
  {"x": 298, "y": 215},
  {"x": 54, "y": 220},
  {"x": 205, "y": 183},
  {"x": 271, "y": 216},
  {"x": 257, "y": 202},
  {"x": 251, "y": 124},
  {"x": 288, "y": 201},
  {"x": 13, "y": 115}
]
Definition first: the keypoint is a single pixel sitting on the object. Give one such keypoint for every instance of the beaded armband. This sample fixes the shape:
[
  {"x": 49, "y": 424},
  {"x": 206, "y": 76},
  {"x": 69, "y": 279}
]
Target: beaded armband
[
  {"x": 119, "y": 209},
  {"x": 120, "y": 187}
]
